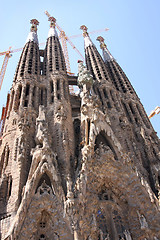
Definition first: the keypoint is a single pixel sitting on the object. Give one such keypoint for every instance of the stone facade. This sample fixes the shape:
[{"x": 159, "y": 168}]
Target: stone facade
[{"x": 83, "y": 167}]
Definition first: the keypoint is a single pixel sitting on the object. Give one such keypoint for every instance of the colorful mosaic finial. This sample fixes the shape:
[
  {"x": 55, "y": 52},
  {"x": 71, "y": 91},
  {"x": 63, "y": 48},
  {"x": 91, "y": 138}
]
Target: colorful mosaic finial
[
  {"x": 32, "y": 36},
  {"x": 52, "y": 30},
  {"x": 87, "y": 40},
  {"x": 102, "y": 44},
  {"x": 107, "y": 56},
  {"x": 34, "y": 23},
  {"x": 52, "y": 22},
  {"x": 84, "y": 28}
]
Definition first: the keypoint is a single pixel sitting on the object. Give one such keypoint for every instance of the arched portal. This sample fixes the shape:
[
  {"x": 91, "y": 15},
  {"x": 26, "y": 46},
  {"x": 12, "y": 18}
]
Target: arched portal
[{"x": 102, "y": 140}]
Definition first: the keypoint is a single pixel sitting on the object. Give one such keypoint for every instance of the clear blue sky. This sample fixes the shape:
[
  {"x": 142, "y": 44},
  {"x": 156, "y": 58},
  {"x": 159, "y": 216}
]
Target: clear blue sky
[{"x": 133, "y": 38}]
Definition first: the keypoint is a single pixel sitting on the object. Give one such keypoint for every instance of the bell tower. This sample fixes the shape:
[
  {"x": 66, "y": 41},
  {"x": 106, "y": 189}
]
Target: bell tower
[
  {"x": 58, "y": 102},
  {"x": 19, "y": 129}
]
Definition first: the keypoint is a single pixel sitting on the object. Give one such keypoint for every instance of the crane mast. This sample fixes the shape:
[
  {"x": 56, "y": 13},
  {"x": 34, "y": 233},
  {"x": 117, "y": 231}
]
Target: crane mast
[{"x": 4, "y": 65}]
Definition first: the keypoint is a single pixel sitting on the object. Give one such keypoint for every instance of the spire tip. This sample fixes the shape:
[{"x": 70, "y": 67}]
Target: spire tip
[
  {"x": 34, "y": 23},
  {"x": 84, "y": 28},
  {"x": 52, "y": 22},
  {"x": 101, "y": 40}
]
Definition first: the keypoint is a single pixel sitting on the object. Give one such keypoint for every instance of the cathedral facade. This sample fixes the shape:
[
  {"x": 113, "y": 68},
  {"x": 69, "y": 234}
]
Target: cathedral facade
[{"x": 76, "y": 167}]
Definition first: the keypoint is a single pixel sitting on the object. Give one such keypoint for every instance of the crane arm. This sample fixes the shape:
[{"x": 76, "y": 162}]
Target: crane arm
[
  {"x": 74, "y": 47},
  {"x": 92, "y": 32},
  {"x": 155, "y": 111}
]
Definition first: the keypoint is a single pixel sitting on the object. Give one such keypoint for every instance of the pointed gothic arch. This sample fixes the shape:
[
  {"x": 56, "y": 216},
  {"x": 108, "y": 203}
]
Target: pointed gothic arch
[
  {"x": 102, "y": 139},
  {"x": 44, "y": 185}
]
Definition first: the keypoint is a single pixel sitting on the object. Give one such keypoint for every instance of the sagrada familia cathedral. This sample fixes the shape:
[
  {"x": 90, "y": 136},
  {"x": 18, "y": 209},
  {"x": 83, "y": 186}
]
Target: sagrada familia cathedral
[{"x": 76, "y": 167}]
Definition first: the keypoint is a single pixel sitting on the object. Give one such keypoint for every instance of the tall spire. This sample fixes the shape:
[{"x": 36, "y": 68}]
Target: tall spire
[
  {"x": 32, "y": 36},
  {"x": 117, "y": 75},
  {"x": 53, "y": 54},
  {"x": 94, "y": 61},
  {"x": 87, "y": 40},
  {"x": 52, "y": 30},
  {"x": 29, "y": 62},
  {"x": 107, "y": 56}
]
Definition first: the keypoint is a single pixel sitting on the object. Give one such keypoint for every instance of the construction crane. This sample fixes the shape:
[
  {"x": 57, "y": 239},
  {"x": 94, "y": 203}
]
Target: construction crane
[
  {"x": 5, "y": 62},
  {"x": 155, "y": 111},
  {"x": 4, "y": 65}
]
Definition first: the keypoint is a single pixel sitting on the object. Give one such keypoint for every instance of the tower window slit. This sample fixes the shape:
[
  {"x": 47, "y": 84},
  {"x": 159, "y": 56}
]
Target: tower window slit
[
  {"x": 26, "y": 95},
  {"x": 112, "y": 76},
  {"x": 45, "y": 98},
  {"x": 52, "y": 99},
  {"x": 111, "y": 93},
  {"x": 51, "y": 86},
  {"x": 10, "y": 187},
  {"x": 57, "y": 135},
  {"x": 16, "y": 149},
  {"x": 100, "y": 96},
  {"x": 134, "y": 113},
  {"x": 88, "y": 130},
  {"x": 36, "y": 61},
  {"x": 50, "y": 56},
  {"x": 2, "y": 162},
  {"x": 58, "y": 85},
  {"x": 7, "y": 157},
  {"x": 105, "y": 93},
  {"x": 144, "y": 119},
  {"x": 30, "y": 60},
  {"x": 126, "y": 111},
  {"x": 18, "y": 97},
  {"x": 96, "y": 66},
  {"x": 89, "y": 66},
  {"x": 33, "y": 96},
  {"x": 94, "y": 89},
  {"x": 58, "y": 96},
  {"x": 62, "y": 58},
  {"x": 109, "y": 105},
  {"x": 119, "y": 77},
  {"x": 26, "y": 103},
  {"x": 24, "y": 61},
  {"x": 52, "y": 92},
  {"x": 41, "y": 97},
  {"x": 27, "y": 90},
  {"x": 45, "y": 64},
  {"x": 11, "y": 101},
  {"x": 57, "y": 67}
]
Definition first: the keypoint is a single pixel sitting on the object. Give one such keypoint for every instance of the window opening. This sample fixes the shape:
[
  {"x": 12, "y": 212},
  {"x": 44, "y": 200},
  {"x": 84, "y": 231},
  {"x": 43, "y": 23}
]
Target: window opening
[
  {"x": 27, "y": 89},
  {"x": 10, "y": 187},
  {"x": 18, "y": 97},
  {"x": 105, "y": 93},
  {"x": 58, "y": 87},
  {"x": 126, "y": 111},
  {"x": 88, "y": 130},
  {"x": 41, "y": 102}
]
